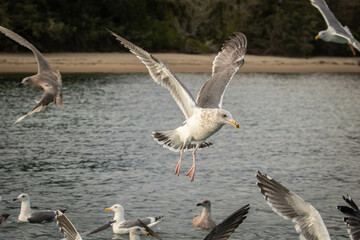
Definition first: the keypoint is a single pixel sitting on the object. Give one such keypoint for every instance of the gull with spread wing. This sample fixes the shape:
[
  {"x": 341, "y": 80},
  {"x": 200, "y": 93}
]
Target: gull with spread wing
[
  {"x": 308, "y": 221},
  {"x": 204, "y": 117},
  {"x": 46, "y": 79},
  {"x": 335, "y": 32}
]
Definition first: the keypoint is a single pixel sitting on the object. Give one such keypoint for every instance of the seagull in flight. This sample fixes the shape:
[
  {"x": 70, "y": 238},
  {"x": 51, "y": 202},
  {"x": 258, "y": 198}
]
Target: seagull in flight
[
  {"x": 335, "y": 32},
  {"x": 46, "y": 79},
  {"x": 205, "y": 116}
]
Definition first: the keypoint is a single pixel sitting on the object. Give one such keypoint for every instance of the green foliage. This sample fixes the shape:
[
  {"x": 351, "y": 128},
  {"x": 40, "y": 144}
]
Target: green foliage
[{"x": 273, "y": 27}]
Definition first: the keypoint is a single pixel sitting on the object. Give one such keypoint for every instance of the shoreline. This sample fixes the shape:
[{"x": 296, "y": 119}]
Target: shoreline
[{"x": 177, "y": 62}]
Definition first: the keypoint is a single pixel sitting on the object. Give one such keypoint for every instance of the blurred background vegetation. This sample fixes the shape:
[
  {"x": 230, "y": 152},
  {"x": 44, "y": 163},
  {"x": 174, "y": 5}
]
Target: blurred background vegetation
[{"x": 273, "y": 27}]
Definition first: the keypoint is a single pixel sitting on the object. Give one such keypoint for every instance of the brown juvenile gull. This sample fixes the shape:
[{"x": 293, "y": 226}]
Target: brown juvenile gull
[
  {"x": 122, "y": 226},
  {"x": 352, "y": 219},
  {"x": 335, "y": 32},
  {"x": 46, "y": 79},
  {"x": 307, "y": 219},
  {"x": 204, "y": 220},
  {"x": 220, "y": 232},
  {"x": 70, "y": 233},
  {"x": 204, "y": 117},
  {"x": 29, "y": 215}
]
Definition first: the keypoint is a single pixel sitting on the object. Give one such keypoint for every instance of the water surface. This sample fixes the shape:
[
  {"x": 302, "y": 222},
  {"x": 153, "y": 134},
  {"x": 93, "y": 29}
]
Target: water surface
[{"x": 301, "y": 129}]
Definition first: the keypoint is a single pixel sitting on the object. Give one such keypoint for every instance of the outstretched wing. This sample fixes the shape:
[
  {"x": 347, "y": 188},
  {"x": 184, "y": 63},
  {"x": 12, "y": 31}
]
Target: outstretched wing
[
  {"x": 66, "y": 227},
  {"x": 162, "y": 75},
  {"x": 43, "y": 64},
  {"x": 352, "y": 219},
  {"x": 47, "y": 98},
  {"x": 224, "y": 229},
  {"x": 290, "y": 206},
  {"x": 225, "y": 65}
]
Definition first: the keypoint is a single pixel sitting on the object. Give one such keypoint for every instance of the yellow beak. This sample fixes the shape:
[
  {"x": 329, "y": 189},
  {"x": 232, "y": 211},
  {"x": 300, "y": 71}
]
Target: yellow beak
[
  {"x": 317, "y": 37},
  {"x": 146, "y": 233},
  {"x": 108, "y": 209},
  {"x": 234, "y": 123}
]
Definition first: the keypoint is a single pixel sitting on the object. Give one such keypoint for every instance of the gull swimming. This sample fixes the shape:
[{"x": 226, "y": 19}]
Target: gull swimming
[
  {"x": 204, "y": 117},
  {"x": 122, "y": 226},
  {"x": 46, "y": 79},
  {"x": 29, "y": 215},
  {"x": 352, "y": 219},
  {"x": 204, "y": 220},
  {"x": 3, "y": 217},
  {"x": 220, "y": 232},
  {"x": 70, "y": 233},
  {"x": 307, "y": 219},
  {"x": 335, "y": 32}
]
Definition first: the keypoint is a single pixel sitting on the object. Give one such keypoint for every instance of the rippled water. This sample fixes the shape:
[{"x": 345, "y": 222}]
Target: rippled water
[{"x": 301, "y": 129}]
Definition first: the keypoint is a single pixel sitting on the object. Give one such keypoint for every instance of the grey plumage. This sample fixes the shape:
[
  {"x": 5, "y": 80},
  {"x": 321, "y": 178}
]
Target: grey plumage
[
  {"x": 308, "y": 221},
  {"x": 46, "y": 79},
  {"x": 225, "y": 65},
  {"x": 352, "y": 219}
]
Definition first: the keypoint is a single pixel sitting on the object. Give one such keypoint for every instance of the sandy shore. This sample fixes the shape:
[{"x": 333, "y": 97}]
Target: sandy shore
[{"x": 128, "y": 63}]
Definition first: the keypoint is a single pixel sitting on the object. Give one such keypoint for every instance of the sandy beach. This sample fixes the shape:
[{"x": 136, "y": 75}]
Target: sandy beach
[{"x": 128, "y": 63}]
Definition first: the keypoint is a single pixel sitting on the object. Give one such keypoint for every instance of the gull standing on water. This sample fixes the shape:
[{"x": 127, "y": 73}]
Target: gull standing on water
[
  {"x": 122, "y": 226},
  {"x": 29, "y": 215},
  {"x": 46, "y": 79},
  {"x": 204, "y": 117},
  {"x": 220, "y": 232},
  {"x": 308, "y": 221},
  {"x": 204, "y": 220},
  {"x": 335, "y": 32}
]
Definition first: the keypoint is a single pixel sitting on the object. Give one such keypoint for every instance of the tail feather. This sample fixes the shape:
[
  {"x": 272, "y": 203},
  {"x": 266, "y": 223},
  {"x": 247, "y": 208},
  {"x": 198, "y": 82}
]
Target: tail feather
[{"x": 171, "y": 140}]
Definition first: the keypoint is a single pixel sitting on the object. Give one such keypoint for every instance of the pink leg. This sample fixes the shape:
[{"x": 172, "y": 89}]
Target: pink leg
[
  {"x": 352, "y": 49},
  {"x": 191, "y": 172},
  {"x": 177, "y": 169}
]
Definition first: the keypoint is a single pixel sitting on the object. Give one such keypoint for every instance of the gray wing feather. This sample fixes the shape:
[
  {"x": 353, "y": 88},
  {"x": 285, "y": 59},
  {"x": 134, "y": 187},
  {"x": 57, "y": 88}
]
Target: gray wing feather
[
  {"x": 134, "y": 222},
  {"x": 290, "y": 206},
  {"x": 225, "y": 65},
  {"x": 66, "y": 227},
  {"x": 106, "y": 226},
  {"x": 43, "y": 64},
  {"x": 40, "y": 216},
  {"x": 162, "y": 75},
  {"x": 224, "y": 229}
]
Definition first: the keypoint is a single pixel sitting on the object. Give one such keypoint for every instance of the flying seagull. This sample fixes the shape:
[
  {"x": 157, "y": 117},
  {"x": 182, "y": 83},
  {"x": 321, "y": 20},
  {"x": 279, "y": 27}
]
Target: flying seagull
[
  {"x": 307, "y": 219},
  {"x": 46, "y": 79},
  {"x": 352, "y": 219},
  {"x": 70, "y": 233},
  {"x": 204, "y": 117},
  {"x": 335, "y": 32},
  {"x": 122, "y": 226},
  {"x": 29, "y": 215},
  {"x": 222, "y": 231},
  {"x": 204, "y": 220}
]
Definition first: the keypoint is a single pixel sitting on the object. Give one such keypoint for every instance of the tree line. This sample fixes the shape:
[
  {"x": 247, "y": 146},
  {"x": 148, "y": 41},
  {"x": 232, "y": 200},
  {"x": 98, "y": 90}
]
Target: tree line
[{"x": 273, "y": 27}]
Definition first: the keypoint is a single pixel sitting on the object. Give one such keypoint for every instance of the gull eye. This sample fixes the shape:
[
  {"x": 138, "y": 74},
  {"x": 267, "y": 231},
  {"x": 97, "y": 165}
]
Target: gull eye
[{"x": 224, "y": 115}]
